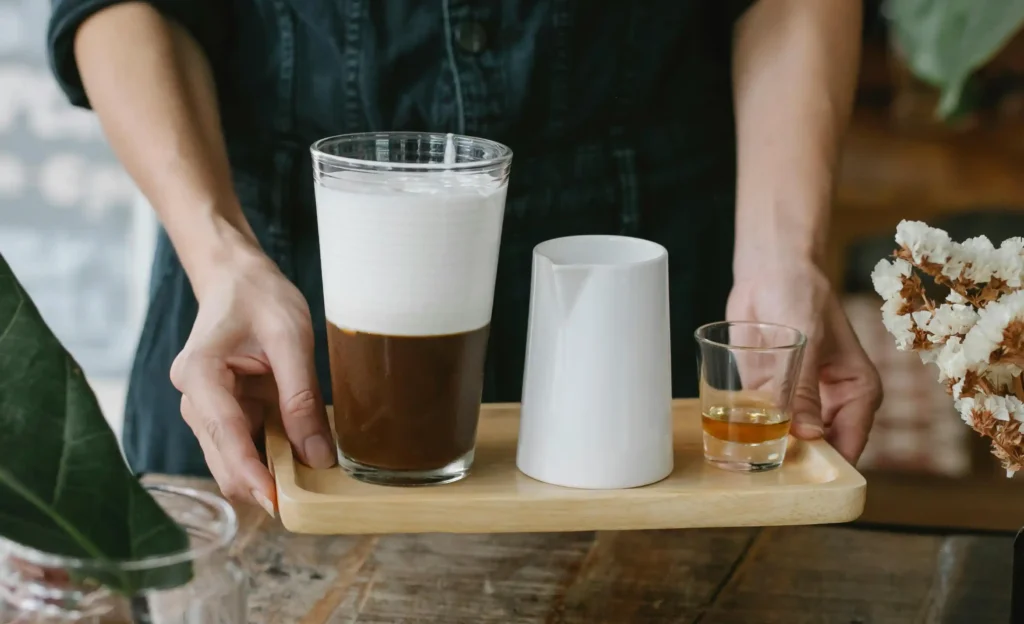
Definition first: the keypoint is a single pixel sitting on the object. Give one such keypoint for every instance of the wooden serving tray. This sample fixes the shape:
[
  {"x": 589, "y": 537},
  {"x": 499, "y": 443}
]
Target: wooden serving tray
[{"x": 815, "y": 485}]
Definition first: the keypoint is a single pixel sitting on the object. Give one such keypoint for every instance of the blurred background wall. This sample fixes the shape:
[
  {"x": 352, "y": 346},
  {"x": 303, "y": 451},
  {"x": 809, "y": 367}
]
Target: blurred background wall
[{"x": 71, "y": 223}]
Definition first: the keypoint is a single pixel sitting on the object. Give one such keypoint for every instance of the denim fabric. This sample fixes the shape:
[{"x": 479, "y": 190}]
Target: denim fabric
[{"x": 619, "y": 115}]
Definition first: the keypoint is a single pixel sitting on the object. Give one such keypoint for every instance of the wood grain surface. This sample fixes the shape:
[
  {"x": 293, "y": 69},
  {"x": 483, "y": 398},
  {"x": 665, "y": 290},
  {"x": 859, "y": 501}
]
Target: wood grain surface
[
  {"x": 785, "y": 575},
  {"x": 815, "y": 485}
]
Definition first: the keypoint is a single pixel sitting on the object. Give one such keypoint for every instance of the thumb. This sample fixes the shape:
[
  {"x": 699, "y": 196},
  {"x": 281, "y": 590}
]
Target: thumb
[
  {"x": 806, "y": 403},
  {"x": 301, "y": 403}
]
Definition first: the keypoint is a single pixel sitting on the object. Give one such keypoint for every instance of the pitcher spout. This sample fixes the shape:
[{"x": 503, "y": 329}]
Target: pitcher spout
[{"x": 569, "y": 281}]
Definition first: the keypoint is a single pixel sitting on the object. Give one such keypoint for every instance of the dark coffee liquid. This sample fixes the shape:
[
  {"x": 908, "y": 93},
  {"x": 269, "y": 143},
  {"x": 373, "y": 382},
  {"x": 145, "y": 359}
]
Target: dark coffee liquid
[{"x": 406, "y": 402}]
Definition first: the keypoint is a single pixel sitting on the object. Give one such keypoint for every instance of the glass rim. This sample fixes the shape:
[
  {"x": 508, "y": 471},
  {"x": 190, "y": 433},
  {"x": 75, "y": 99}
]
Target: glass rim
[
  {"x": 801, "y": 338},
  {"x": 659, "y": 253},
  {"x": 503, "y": 157},
  {"x": 228, "y": 529}
]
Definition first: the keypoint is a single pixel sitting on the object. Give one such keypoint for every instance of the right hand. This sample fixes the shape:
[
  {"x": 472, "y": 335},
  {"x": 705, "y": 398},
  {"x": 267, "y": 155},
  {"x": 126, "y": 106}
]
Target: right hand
[{"x": 251, "y": 351}]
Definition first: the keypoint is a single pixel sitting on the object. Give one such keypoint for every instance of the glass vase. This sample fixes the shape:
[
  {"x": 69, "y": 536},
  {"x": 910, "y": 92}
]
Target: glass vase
[{"x": 38, "y": 587}]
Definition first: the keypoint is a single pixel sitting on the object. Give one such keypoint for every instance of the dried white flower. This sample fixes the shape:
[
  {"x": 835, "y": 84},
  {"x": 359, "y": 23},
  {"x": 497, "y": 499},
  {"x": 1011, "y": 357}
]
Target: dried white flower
[
  {"x": 1001, "y": 408},
  {"x": 901, "y": 326},
  {"x": 1002, "y": 375},
  {"x": 952, "y": 362},
  {"x": 948, "y": 320},
  {"x": 980, "y": 256},
  {"x": 926, "y": 244},
  {"x": 887, "y": 277},
  {"x": 966, "y": 408},
  {"x": 1004, "y": 408},
  {"x": 1009, "y": 262},
  {"x": 975, "y": 337},
  {"x": 987, "y": 334},
  {"x": 957, "y": 390}
]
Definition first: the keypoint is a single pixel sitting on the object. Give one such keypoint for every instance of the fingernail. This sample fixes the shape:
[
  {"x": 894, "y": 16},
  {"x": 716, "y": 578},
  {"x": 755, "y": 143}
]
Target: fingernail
[
  {"x": 264, "y": 502},
  {"x": 319, "y": 452}
]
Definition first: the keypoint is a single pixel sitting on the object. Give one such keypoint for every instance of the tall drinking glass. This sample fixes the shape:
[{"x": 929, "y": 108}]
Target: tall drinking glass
[
  {"x": 409, "y": 226},
  {"x": 748, "y": 373}
]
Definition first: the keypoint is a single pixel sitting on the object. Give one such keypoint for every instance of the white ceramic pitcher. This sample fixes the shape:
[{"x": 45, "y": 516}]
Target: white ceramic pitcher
[{"x": 597, "y": 389}]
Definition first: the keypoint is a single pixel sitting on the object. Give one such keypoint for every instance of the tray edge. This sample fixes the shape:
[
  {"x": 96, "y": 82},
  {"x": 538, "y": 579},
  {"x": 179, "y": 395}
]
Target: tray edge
[{"x": 849, "y": 487}]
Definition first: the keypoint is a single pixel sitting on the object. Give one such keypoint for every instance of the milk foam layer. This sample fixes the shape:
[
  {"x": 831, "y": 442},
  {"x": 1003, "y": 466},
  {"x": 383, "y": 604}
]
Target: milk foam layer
[{"x": 409, "y": 254}]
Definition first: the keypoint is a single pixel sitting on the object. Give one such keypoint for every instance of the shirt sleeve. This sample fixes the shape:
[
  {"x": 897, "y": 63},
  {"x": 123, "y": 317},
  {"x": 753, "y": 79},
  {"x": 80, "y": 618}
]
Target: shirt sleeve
[{"x": 205, "y": 20}]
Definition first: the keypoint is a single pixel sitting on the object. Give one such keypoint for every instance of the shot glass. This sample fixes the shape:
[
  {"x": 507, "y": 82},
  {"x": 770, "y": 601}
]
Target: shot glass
[{"x": 748, "y": 372}]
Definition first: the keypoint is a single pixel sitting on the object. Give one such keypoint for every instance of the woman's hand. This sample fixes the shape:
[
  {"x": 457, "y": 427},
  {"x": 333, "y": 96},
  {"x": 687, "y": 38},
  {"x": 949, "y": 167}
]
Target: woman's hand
[
  {"x": 839, "y": 389},
  {"x": 251, "y": 347},
  {"x": 794, "y": 77},
  {"x": 251, "y": 351}
]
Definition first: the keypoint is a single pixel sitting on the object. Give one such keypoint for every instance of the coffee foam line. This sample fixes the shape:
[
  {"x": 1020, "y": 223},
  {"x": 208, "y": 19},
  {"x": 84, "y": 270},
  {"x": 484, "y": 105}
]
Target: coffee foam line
[
  {"x": 407, "y": 327},
  {"x": 370, "y": 305}
]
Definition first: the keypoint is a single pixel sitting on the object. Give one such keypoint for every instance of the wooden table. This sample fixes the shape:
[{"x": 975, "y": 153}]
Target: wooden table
[{"x": 846, "y": 575}]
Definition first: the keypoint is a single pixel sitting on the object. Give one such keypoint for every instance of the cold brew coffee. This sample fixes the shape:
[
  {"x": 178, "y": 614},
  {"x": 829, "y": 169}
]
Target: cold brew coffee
[
  {"x": 409, "y": 227},
  {"x": 406, "y": 403}
]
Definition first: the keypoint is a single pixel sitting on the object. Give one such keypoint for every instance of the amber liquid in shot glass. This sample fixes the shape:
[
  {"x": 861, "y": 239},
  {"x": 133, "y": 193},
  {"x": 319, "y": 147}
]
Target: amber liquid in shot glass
[
  {"x": 757, "y": 433},
  {"x": 746, "y": 424}
]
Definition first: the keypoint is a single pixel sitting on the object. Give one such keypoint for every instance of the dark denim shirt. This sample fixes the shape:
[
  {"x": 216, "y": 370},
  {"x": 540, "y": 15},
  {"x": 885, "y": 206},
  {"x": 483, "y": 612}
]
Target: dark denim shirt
[{"x": 619, "y": 114}]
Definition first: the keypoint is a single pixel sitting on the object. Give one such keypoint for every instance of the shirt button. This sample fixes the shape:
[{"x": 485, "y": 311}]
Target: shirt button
[{"x": 471, "y": 36}]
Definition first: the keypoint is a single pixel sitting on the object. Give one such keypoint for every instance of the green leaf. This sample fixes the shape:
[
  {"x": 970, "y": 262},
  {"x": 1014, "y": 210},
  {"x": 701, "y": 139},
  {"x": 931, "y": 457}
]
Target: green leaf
[
  {"x": 944, "y": 42},
  {"x": 64, "y": 486}
]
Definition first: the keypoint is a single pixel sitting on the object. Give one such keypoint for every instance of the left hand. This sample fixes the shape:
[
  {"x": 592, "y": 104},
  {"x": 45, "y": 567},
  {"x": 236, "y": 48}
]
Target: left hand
[{"x": 839, "y": 389}]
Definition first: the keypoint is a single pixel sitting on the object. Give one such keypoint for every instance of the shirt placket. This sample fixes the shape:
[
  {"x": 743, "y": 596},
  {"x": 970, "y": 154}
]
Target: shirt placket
[
  {"x": 623, "y": 152},
  {"x": 472, "y": 68},
  {"x": 284, "y": 151}
]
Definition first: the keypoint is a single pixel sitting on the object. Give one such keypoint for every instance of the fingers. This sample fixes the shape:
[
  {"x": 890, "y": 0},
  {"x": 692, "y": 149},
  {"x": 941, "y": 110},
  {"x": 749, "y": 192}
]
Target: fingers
[
  {"x": 224, "y": 432},
  {"x": 850, "y": 429},
  {"x": 302, "y": 408},
  {"x": 855, "y": 391},
  {"x": 806, "y": 403}
]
